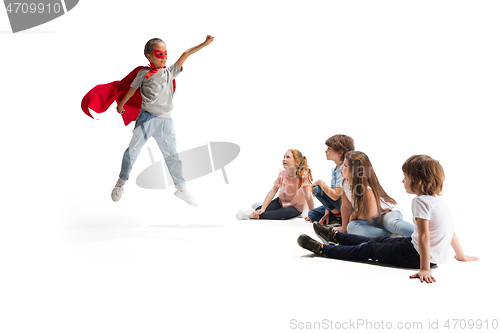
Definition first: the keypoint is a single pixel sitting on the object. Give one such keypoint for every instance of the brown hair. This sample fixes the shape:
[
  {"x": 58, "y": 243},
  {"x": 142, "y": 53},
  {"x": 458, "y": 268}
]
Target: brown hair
[
  {"x": 425, "y": 174},
  {"x": 362, "y": 177},
  {"x": 340, "y": 142},
  {"x": 303, "y": 167},
  {"x": 148, "y": 48}
]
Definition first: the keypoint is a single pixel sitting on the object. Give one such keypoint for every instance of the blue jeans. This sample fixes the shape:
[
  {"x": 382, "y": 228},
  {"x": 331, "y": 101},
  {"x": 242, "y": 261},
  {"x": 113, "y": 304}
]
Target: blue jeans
[
  {"x": 392, "y": 222},
  {"x": 162, "y": 129},
  {"x": 275, "y": 211},
  {"x": 393, "y": 251},
  {"x": 327, "y": 204}
]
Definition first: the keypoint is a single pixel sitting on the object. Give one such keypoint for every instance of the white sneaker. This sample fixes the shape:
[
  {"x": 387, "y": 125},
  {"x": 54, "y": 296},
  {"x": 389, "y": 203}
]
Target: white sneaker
[
  {"x": 118, "y": 190},
  {"x": 244, "y": 215},
  {"x": 257, "y": 204},
  {"x": 183, "y": 193}
]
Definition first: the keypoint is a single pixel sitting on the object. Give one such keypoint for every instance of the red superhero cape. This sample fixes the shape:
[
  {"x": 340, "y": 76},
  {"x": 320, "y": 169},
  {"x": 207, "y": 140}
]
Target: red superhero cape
[{"x": 102, "y": 96}]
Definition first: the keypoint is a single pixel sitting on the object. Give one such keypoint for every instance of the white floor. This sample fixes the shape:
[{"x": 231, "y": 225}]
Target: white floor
[
  {"x": 118, "y": 267},
  {"x": 400, "y": 77}
]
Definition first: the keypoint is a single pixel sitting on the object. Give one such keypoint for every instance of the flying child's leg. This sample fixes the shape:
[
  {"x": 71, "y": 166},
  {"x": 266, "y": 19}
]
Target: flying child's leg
[
  {"x": 165, "y": 137},
  {"x": 143, "y": 130}
]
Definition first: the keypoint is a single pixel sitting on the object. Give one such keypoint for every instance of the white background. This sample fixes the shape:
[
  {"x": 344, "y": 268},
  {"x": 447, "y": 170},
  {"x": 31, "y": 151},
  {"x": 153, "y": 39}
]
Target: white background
[{"x": 400, "y": 77}]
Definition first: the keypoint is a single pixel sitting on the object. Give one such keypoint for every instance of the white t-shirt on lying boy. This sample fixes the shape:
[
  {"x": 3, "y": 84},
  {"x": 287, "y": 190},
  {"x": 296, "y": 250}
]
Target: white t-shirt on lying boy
[{"x": 434, "y": 209}]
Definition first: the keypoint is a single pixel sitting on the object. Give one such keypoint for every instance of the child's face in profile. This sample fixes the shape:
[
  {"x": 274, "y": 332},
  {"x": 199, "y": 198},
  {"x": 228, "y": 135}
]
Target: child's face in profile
[
  {"x": 332, "y": 154},
  {"x": 344, "y": 172},
  {"x": 159, "y": 56},
  {"x": 407, "y": 185},
  {"x": 289, "y": 161}
]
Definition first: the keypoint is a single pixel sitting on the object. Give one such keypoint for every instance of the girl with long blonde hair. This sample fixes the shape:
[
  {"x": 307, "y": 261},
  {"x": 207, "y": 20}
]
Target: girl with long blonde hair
[{"x": 294, "y": 186}]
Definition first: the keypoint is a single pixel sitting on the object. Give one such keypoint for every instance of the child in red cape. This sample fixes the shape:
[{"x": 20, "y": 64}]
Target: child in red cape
[{"x": 151, "y": 109}]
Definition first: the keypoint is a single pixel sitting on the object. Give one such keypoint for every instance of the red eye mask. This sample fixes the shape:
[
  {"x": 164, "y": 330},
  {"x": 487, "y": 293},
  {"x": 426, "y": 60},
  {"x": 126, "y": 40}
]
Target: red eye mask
[{"x": 160, "y": 54}]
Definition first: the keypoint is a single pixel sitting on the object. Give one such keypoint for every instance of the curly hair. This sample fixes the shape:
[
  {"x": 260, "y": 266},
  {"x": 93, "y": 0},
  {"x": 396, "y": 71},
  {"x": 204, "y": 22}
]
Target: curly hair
[
  {"x": 425, "y": 174},
  {"x": 303, "y": 167}
]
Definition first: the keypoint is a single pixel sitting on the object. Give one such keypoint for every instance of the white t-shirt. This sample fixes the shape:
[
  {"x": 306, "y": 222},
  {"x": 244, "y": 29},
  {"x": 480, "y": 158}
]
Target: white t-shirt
[
  {"x": 434, "y": 209},
  {"x": 346, "y": 187}
]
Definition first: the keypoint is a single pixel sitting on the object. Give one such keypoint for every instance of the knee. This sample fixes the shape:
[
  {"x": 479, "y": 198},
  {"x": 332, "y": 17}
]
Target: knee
[
  {"x": 317, "y": 191},
  {"x": 355, "y": 228},
  {"x": 394, "y": 215},
  {"x": 352, "y": 227},
  {"x": 315, "y": 214},
  {"x": 363, "y": 228}
]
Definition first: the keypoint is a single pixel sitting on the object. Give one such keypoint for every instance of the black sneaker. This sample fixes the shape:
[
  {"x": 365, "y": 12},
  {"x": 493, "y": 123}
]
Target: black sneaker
[
  {"x": 335, "y": 220},
  {"x": 324, "y": 233},
  {"x": 310, "y": 244}
]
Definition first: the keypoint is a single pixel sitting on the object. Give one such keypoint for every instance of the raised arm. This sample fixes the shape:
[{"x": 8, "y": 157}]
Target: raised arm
[
  {"x": 192, "y": 50},
  {"x": 424, "y": 247},
  {"x": 459, "y": 253}
]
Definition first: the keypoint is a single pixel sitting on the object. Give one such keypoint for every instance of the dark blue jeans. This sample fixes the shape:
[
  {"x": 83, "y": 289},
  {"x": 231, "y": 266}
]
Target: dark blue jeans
[
  {"x": 393, "y": 251},
  {"x": 327, "y": 204},
  {"x": 275, "y": 211}
]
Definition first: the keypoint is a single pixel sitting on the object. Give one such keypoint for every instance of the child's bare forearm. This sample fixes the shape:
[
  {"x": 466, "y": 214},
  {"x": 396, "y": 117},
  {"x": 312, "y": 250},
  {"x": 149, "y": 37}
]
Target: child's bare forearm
[
  {"x": 455, "y": 244},
  {"x": 333, "y": 193},
  {"x": 269, "y": 198},
  {"x": 192, "y": 50},
  {"x": 309, "y": 199},
  {"x": 125, "y": 99},
  {"x": 346, "y": 211},
  {"x": 459, "y": 252},
  {"x": 127, "y": 96},
  {"x": 425, "y": 252},
  {"x": 424, "y": 249},
  {"x": 267, "y": 201}
]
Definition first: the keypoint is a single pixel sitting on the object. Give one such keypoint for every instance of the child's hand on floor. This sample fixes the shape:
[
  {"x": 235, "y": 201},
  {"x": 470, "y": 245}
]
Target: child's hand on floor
[
  {"x": 256, "y": 213},
  {"x": 424, "y": 275},
  {"x": 466, "y": 258}
]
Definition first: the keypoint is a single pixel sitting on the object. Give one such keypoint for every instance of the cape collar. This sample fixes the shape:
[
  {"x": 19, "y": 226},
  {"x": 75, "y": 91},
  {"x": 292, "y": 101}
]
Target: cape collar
[{"x": 153, "y": 70}]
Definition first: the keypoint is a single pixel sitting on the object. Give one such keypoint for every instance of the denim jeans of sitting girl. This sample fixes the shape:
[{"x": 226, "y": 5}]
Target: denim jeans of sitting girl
[
  {"x": 275, "y": 211},
  {"x": 391, "y": 223}
]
